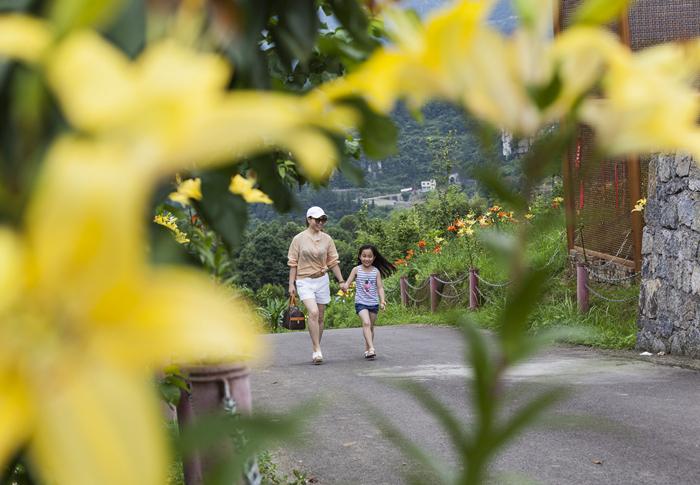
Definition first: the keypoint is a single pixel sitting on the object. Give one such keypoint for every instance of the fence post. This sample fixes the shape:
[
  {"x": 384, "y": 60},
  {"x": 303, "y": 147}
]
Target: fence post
[
  {"x": 473, "y": 289},
  {"x": 582, "y": 287},
  {"x": 433, "y": 293},
  {"x": 403, "y": 284}
]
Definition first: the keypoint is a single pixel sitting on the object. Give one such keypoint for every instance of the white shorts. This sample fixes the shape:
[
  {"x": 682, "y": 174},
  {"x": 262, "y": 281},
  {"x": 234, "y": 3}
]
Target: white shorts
[{"x": 317, "y": 289}]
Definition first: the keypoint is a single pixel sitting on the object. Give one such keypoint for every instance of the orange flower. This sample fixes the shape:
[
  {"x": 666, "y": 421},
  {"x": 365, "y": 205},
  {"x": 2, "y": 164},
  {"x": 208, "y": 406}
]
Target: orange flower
[
  {"x": 502, "y": 214},
  {"x": 422, "y": 244},
  {"x": 400, "y": 262},
  {"x": 459, "y": 223},
  {"x": 437, "y": 249},
  {"x": 495, "y": 208},
  {"x": 410, "y": 252},
  {"x": 452, "y": 228}
]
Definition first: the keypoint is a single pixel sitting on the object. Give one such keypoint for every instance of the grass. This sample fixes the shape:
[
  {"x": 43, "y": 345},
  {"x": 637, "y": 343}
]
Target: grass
[{"x": 609, "y": 325}]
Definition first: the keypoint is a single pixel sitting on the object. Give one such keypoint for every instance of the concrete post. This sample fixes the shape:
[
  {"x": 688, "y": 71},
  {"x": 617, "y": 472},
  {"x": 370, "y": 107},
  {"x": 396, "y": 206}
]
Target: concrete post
[
  {"x": 473, "y": 289},
  {"x": 403, "y": 284},
  {"x": 434, "y": 297},
  {"x": 582, "y": 288}
]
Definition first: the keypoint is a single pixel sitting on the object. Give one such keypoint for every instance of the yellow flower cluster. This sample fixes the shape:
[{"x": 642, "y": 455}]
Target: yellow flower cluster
[{"x": 170, "y": 221}]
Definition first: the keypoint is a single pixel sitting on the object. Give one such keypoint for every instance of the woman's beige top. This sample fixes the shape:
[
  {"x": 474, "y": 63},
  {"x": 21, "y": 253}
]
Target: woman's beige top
[{"x": 312, "y": 253}]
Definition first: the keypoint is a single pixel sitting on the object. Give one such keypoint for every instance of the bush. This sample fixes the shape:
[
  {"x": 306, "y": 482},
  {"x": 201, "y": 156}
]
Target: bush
[{"x": 270, "y": 291}]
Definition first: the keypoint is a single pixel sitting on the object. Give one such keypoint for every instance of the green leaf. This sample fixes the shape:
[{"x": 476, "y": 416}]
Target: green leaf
[
  {"x": 225, "y": 213},
  {"x": 525, "y": 416},
  {"x": 410, "y": 448},
  {"x": 546, "y": 154},
  {"x": 478, "y": 357},
  {"x": 490, "y": 177},
  {"x": 15, "y": 5},
  {"x": 251, "y": 70},
  {"x": 351, "y": 16},
  {"x": 449, "y": 422},
  {"x": 352, "y": 172},
  {"x": 543, "y": 96},
  {"x": 522, "y": 300},
  {"x": 128, "y": 30},
  {"x": 295, "y": 32},
  {"x": 600, "y": 12},
  {"x": 244, "y": 435},
  {"x": 68, "y": 15},
  {"x": 378, "y": 133},
  {"x": 271, "y": 182}
]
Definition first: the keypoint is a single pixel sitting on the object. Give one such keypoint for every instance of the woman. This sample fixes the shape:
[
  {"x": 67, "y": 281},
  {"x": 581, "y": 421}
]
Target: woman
[{"x": 311, "y": 254}]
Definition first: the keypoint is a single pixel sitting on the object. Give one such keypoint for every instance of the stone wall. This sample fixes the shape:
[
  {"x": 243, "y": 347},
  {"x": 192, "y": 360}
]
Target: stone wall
[{"x": 669, "y": 305}]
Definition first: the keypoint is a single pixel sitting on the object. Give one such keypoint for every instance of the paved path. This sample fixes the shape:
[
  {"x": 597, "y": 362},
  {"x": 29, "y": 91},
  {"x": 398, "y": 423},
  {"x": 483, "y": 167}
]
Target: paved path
[{"x": 636, "y": 422}]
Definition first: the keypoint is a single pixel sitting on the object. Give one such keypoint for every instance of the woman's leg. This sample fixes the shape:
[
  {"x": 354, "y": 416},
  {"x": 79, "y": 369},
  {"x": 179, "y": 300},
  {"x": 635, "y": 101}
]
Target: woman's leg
[
  {"x": 312, "y": 319},
  {"x": 321, "y": 312},
  {"x": 366, "y": 328}
]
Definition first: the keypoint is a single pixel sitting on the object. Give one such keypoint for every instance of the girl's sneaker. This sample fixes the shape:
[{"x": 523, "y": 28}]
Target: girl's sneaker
[
  {"x": 317, "y": 357},
  {"x": 370, "y": 354}
]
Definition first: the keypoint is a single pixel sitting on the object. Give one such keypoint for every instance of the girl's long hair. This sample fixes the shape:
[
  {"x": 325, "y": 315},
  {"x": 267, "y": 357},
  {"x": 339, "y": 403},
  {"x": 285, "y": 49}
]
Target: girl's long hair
[{"x": 385, "y": 267}]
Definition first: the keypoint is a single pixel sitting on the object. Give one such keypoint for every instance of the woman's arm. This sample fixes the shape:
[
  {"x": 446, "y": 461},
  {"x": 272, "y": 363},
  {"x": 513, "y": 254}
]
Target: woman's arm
[
  {"x": 338, "y": 274},
  {"x": 380, "y": 291},
  {"x": 292, "y": 279}
]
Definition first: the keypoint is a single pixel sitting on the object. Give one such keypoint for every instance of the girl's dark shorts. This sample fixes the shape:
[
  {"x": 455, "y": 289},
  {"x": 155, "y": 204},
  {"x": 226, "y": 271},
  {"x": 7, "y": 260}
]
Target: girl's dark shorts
[{"x": 372, "y": 309}]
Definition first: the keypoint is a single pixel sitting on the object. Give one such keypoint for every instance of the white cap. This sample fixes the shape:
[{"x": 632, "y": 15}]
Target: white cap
[{"x": 315, "y": 212}]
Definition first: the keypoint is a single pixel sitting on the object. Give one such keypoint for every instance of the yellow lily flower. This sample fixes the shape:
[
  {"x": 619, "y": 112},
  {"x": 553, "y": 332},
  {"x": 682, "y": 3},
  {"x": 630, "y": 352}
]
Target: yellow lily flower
[
  {"x": 84, "y": 321},
  {"x": 650, "y": 103},
  {"x": 244, "y": 187},
  {"x": 23, "y": 37},
  {"x": 170, "y": 221},
  {"x": 421, "y": 66},
  {"x": 640, "y": 205},
  {"x": 186, "y": 190},
  {"x": 170, "y": 106}
]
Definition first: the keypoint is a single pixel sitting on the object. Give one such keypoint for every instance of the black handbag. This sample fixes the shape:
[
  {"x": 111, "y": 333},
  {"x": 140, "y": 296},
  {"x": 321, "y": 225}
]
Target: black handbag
[{"x": 293, "y": 318}]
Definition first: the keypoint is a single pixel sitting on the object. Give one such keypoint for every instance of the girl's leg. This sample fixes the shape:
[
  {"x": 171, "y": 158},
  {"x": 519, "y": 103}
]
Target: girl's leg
[
  {"x": 372, "y": 320},
  {"x": 321, "y": 312},
  {"x": 366, "y": 328},
  {"x": 312, "y": 320}
]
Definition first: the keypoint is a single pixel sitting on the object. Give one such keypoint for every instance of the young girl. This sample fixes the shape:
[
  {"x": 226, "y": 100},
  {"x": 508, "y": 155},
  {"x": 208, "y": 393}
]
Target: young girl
[{"x": 369, "y": 291}]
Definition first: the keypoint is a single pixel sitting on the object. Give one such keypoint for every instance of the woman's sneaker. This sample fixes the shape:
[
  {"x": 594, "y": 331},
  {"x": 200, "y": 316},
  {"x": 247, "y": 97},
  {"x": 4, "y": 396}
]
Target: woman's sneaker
[
  {"x": 317, "y": 357},
  {"x": 370, "y": 354}
]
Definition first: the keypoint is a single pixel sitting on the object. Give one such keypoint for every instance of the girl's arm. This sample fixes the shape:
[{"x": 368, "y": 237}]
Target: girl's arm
[
  {"x": 350, "y": 279},
  {"x": 380, "y": 290}
]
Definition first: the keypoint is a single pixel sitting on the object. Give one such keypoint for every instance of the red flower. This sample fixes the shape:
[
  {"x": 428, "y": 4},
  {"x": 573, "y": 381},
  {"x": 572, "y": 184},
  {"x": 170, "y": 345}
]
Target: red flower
[{"x": 422, "y": 244}]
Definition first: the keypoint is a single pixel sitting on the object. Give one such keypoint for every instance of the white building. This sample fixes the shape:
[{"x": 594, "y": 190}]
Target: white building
[{"x": 428, "y": 185}]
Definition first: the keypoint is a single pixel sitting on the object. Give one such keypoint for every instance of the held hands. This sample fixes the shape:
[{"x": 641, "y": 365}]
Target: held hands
[{"x": 344, "y": 287}]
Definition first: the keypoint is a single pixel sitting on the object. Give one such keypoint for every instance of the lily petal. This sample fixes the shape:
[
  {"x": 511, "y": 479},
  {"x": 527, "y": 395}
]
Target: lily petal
[
  {"x": 102, "y": 426},
  {"x": 23, "y": 37},
  {"x": 12, "y": 277},
  {"x": 93, "y": 81},
  {"x": 15, "y": 417},
  {"x": 85, "y": 225},
  {"x": 166, "y": 323}
]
